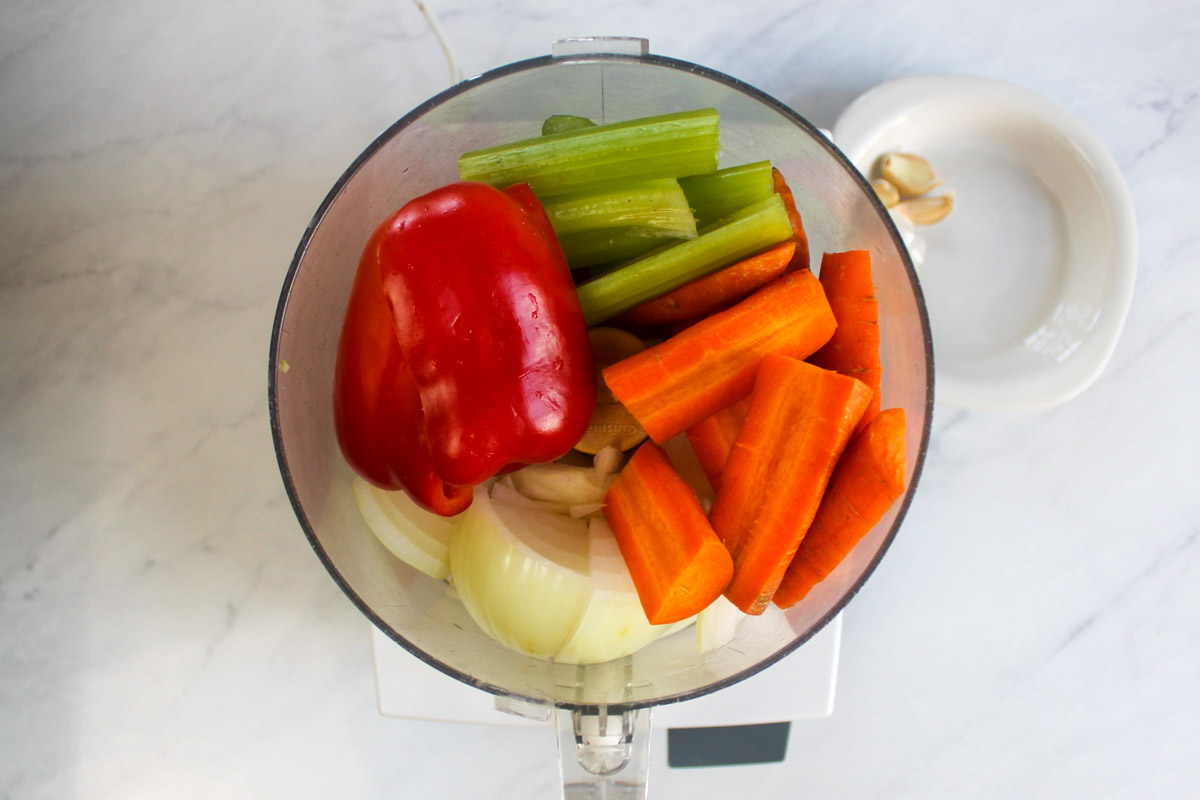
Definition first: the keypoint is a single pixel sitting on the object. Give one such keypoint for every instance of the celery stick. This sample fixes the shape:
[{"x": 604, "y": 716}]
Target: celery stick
[
  {"x": 730, "y": 239},
  {"x": 648, "y": 204},
  {"x": 589, "y": 248},
  {"x": 620, "y": 220},
  {"x": 667, "y": 146},
  {"x": 720, "y": 193},
  {"x": 559, "y": 123}
]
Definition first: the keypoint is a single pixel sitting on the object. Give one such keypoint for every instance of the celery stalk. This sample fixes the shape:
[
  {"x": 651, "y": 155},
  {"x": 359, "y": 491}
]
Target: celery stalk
[
  {"x": 589, "y": 248},
  {"x": 667, "y": 146},
  {"x": 559, "y": 123},
  {"x": 726, "y": 241},
  {"x": 720, "y": 193},
  {"x": 648, "y": 204},
  {"x": 619, "y": 220}
]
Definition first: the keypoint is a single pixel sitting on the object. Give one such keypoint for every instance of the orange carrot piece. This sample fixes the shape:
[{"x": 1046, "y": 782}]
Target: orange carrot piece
[
  {"x": 678, "y": 564},
  {"x": 710, "y": 365},
  {"x": 800, "y": 258},
  {"x": 799, "y": 421},
  {"x": 712, "y": 438},
  {"x": 867, "y": 480},
  {"x": 716, "y": 290},
  {"x": 674, "y": 328},
  {"x": 854, "y": 348}
]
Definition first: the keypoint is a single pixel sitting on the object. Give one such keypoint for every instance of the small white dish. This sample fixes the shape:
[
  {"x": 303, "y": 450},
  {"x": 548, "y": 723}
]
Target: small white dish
[{"x": 1029, "y": 280}]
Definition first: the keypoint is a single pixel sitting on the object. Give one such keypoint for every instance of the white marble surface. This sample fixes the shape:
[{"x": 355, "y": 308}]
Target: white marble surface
[{"x": 165, "y": 631}]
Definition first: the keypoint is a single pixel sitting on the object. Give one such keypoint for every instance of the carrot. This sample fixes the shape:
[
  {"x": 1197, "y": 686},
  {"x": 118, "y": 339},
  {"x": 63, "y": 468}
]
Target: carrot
[
  {"x": 800, "y": 258},
  {"x": 799, "y": 421},
  {"x": 716, "y": 290},
  {"x": 712, "y": 437},
  {"x": 673, "y": 328},
  {"x": 710, "y": 365},
  {"x": 867, "y": 480},
  {"x": 678, "y": 564},
  {"x": 854, "y": 348}
]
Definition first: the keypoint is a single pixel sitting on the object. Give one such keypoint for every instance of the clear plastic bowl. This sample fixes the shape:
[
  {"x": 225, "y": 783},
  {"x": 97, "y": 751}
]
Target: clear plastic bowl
[{"x": 419, "y": 153}]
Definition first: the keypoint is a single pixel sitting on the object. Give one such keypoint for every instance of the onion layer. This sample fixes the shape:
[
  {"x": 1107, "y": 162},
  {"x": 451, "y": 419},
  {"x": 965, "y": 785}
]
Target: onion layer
[
  {"x": 417, "y": 537},
  {"x": 527, "y": 591},
  {"x": 545, "y": 584}
]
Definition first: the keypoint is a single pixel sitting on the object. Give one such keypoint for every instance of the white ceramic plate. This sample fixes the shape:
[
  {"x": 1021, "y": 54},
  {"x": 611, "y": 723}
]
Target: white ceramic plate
[{"x": 1029, "y": 280}]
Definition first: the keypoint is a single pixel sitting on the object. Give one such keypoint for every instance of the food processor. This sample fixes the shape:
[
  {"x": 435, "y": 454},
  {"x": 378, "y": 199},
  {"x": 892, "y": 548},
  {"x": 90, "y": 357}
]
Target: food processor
[{"x": 603, "y": 710}]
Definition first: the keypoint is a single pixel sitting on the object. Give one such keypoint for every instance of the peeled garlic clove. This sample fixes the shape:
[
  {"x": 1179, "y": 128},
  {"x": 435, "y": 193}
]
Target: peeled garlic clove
[
  {"x": 910, "y": 174},
  {"x": 888, "y": 194},
  {"x": 927, "y": 210}
]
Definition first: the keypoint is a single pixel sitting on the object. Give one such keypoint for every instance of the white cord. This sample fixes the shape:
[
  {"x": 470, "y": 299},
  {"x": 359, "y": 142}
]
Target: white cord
[{"x": 439, "y": 33}]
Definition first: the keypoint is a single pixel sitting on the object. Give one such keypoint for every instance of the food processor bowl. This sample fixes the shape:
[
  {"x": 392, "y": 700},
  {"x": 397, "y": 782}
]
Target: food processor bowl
[{"x": 419, "y": 153}]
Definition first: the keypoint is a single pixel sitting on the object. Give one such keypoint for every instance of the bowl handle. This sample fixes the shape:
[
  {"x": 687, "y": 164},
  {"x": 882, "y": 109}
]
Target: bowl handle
[
  {"x": 603, "y": 45},
  {"x": 603, "y": 754}
]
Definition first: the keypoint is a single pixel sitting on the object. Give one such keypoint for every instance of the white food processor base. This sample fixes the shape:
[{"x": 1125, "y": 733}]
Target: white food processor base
[{"x": 800, "y": 686}]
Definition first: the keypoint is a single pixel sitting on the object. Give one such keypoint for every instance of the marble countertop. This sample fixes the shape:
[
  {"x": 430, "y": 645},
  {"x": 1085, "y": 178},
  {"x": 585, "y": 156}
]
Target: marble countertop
[{"x": 165, "y": 630}]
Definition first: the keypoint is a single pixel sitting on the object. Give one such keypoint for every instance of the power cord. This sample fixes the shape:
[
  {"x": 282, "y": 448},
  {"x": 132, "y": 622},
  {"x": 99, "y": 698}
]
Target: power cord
[{"x": 439, "y": 33}]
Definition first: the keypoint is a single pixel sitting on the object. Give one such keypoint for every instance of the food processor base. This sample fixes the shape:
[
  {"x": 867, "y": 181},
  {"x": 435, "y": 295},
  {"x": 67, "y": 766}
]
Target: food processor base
[{"x": 800, "y": 686}]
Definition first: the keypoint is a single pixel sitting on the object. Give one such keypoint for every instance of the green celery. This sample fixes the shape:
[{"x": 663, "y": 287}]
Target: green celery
[
  {"x": 589, "y": 248},
  {"x": 667, "y": 146},
  {"x": 726, "y": 241},
  {"x": 720, "y": 193},
  {"x": 559, "y": 123},
  {"x": 619, "y": 220},
  {"x": 647, "y": 204}
]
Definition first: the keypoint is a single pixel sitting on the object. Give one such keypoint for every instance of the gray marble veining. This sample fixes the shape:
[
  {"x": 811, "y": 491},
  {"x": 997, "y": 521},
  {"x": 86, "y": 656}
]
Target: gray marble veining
[{"x": 165, "y": 631}]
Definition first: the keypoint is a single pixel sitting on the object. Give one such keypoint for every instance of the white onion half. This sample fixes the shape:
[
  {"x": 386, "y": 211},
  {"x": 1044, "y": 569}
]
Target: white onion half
[
  {"x": 545, "y": 584},
  {"x": 614, "y": 624},
  {"x": 414, "y": 535},
  {"x": 527, "y": 591}
]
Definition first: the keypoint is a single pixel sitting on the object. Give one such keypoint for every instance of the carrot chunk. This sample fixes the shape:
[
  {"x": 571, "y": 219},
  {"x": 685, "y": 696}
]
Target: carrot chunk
[
  {"x": 800, "y": 257},
  {"x": 678, "y": 564},
  {"x": 867, "y": 480},
  {"x": 711, "y": 439},
  {"x": 711, "y": 365},
  {"x": 798, "y": 423},
  {"x": 854, "y": 348},
  {"x": 717, "y": 290}
]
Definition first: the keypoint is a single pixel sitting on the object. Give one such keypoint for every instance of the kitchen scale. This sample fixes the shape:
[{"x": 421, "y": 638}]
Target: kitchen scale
[{"x": 747, "y": 723}]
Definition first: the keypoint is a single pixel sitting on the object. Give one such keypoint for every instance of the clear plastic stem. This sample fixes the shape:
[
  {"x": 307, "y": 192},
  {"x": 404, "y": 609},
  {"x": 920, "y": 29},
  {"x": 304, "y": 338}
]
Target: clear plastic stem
[{"x": 603, "y": 756}]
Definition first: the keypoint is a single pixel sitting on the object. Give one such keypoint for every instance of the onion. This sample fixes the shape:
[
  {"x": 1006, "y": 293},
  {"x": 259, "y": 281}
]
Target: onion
[
  {"x": 585, "y": 510},
  {"x": 503, "y": 492},
  {"x": 547, "y": 585},
  {"x": 533, "y": 576},
  {"x": 607, "y": 463},
  {"x": 527, "y": 591},
  {"x": 414, "y": 535},
  {"x": 613, "y": 625},
  {"x": 560, "y": 483},
  {"x": 717, "y": 624}
]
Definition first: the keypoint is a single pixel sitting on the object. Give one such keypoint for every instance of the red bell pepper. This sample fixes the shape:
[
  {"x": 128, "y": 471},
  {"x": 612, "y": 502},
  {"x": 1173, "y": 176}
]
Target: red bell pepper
[
  {"x": 464, "y": 350},
  {"x": 376, "y": 406}
]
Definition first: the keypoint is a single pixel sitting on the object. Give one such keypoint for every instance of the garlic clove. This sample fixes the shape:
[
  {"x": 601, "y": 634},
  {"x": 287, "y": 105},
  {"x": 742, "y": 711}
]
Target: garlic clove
[
  {"x": 888, "y": 194},
  {"x": 910, "y": 174},
  {"x": 927, "y": 210}
]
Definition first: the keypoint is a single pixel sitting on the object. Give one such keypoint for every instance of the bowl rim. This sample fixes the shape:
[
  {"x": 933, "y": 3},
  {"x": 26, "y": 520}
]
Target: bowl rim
[{"x": 273, "y": 368}]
